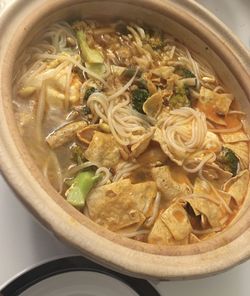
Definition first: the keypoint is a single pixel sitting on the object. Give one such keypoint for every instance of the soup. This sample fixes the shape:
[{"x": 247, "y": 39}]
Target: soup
[{"x": 133, "y": 130}]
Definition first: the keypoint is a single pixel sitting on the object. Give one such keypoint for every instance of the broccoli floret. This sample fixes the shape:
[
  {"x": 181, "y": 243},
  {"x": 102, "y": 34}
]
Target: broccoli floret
[
  {"x": 179, "y": 99},
  {"x": 89, "y": 91},
  {"x": 228, "y": 161},
  {"x": 81, "y": 185},
  {"x": 184, "y": 72},
  {"x": 139, "y": 97},
  {"x": 76, "y": 153}
]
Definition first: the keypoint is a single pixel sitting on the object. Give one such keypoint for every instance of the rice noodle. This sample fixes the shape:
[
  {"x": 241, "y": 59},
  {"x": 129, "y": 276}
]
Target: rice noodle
[
  {"x": 106, "y": 176},
  {"x": 184, "y": 130},
  {"x": 124, "y": 169},
  {"x": 40, "y": 112},
  {"x": 75, "y": 169},
  {"x": 150, "y": 221},
  {"x": 210, "y": 157}
]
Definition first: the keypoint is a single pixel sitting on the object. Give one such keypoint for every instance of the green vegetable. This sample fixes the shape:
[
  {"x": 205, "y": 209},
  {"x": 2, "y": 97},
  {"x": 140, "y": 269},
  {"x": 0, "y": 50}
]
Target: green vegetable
[
  {"x": 89, "y": 91},
  {"x": 77, "y": 153},
  {"x": 141, "y": 83},
  {"x": 130, "y": 72},
  {"x": 89, "y": 55},
  {"x": 228, "y": 160},
  {"x": 92, "y": 57},
  {"x": 184, "y": 72},
  {"x": 139, "y": 96},
  {"x": 179, "y": 99},
  {"x": 82, "y": 184}
]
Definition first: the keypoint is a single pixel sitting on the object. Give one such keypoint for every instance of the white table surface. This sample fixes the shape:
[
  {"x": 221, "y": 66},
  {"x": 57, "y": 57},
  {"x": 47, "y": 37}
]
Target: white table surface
[{"x": 25, "y": 243}]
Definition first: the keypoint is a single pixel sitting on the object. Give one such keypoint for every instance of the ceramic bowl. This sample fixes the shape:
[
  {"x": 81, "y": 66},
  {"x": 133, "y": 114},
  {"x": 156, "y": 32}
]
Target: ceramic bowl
[{"x": 198, "y": 30}]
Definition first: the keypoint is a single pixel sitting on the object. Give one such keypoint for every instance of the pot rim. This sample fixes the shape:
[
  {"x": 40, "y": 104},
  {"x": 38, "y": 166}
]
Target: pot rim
[{"x": 106, "y": 250}]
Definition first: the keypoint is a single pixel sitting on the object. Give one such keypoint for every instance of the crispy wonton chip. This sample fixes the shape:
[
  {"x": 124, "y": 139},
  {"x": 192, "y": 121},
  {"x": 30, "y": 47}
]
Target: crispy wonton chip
[
  {"x": 169, "y": 187},
  {"x": 103, "y": 150},
  {"x": 193, "y": 239},
  {"x": 242, "y": 151},
  {"x": 121, "y": 204},
  {"x": 237, "y": 186},
  {"x": 202, "y": 187},
  {"x": 153, "y": 105},
  {"x": 139, "y": 147},
  {"x": 160, "y": 235},
  {"x": 239, "y": 136},
  {"x": 211, "y": 210},
  {"x": 214, "y": 104},
  {"x": 212, "y": 142},
  {"x": 176, "y": 219},
  {"x": 216, "y": 175}
]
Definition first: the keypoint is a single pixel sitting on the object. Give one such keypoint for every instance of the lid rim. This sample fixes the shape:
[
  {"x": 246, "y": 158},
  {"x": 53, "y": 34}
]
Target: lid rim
[{"x": 68, "y": 264}]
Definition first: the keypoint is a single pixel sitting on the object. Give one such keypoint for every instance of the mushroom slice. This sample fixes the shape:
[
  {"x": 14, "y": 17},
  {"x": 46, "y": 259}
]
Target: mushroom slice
[
  {"x": 242, "y": 152},
  {"x": 176, "y": 219},
  {"x": 64, "y": 134},
  {"x": 169, "y": 187},
  {"x": 103, "y": 150},
  {"x": 237, "y": 186},
  {"x": 153, "y": 105}
]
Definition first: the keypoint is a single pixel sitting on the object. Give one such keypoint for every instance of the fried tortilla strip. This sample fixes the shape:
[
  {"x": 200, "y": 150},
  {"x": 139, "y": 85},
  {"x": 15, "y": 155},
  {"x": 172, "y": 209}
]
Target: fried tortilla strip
[
  {"x": 103, "y": 150},
  {"x": 161, "y": 235},
  {"x": 216, "y": 175},
  {"x": 176, "y": 219},
  {"x": 64, "y": 134},
  {"x": 239, "y": 136},
  {"x": 214, "y": 104},
  {"x": 211, "y": 210},
  {"x": 141, "y": 146},
  {"x": 121, "y": 204},
  {"x": 237, "y": 186}
]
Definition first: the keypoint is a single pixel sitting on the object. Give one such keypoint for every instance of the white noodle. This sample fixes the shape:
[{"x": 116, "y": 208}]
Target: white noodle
[
  {"x": 155, "y": 213},
  {"x": 106, "y": 176},
  {"x": 75, "y": 169},
  {"x": 124, "y": 169},
  {"x": 210, "y": 156}
]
